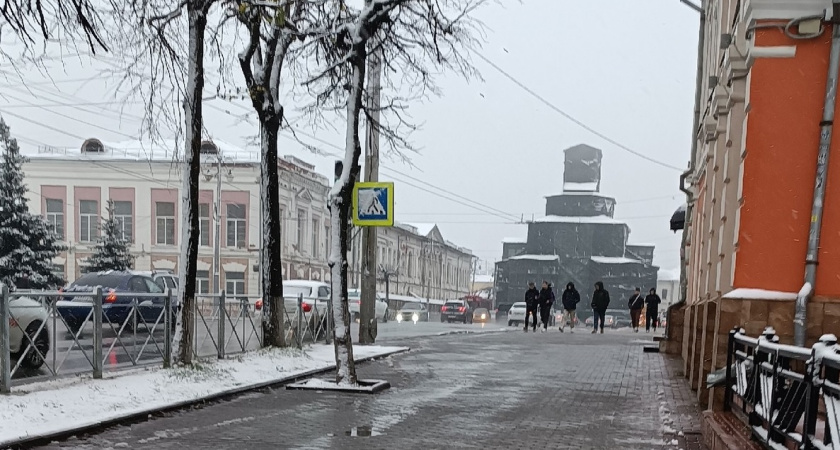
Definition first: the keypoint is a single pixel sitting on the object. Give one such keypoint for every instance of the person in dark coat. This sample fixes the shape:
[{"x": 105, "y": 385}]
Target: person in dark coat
[
  {"x": 532, "y": 296},
  {"x": 570, "y": 299},
  {"x": 600, "y": 303},
  {"x": 636, "y": 304},
  {"x": 545, "y": 301},
  {"x": 652, "y": 302}
]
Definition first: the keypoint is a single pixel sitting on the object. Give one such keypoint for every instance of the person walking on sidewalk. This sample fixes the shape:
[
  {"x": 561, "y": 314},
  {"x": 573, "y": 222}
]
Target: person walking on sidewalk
[
  {"x": 652, "y": 301},
  {"x": 600, "y": 303},
  {"x": 570, "y": 299},
  {"x": 546, "y": 301},
  {"x": 532, "y": 296},
  {"x": 636, "y": 304}
]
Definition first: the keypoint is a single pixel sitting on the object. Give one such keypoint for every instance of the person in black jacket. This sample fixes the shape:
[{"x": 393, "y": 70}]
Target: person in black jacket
[
  {"x": 570, "y": 299},
  {"x": 652, "y": 301},
  {"x": 532, "y": 296},
  {"x": 636, "y": 304},
  {"x": 545, "y": 301},
  {"x": 600, "y": 303}
]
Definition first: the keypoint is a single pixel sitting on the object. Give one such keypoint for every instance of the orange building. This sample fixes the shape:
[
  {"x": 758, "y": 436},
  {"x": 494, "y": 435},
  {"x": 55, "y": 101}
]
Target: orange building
[{"x": 751, "y": 182}]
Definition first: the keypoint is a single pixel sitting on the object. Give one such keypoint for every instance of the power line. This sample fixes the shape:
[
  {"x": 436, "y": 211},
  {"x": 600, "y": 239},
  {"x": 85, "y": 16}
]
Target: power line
[{"x": 572, "y": 118}]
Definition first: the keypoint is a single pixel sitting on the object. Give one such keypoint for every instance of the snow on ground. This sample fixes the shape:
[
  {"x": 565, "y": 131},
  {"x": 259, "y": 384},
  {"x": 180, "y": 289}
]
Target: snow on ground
[{"x": 68, "y": 404}]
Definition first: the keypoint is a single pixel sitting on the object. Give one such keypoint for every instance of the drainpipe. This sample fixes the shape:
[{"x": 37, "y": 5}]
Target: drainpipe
[
  {"x": 698, "y": 97},
  {"x": 800, "y": 318}
]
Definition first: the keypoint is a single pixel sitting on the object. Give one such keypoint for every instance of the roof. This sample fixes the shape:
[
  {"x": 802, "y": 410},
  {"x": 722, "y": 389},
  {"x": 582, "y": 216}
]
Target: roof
[
  {"x": 580, "y": 219},
  {"x": 588, "y": 194},
  {"x": 134, "y": 150},
  {"x": 537, "y": 257},
  {"x": 515, "y": 240},
  {"x": 423, "y": 229},
  {"x": 588, "y": 186},
  {"x": 614, "y": 260}
]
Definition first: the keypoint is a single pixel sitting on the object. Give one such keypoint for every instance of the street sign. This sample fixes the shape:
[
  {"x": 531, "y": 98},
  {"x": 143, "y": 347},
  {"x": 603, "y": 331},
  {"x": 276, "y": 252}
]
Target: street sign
[{"x": 373, "y": 204}]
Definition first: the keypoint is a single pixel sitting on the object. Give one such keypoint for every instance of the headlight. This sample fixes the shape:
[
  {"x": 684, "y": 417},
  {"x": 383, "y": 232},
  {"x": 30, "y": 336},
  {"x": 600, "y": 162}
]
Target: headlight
[
  {"x": 415, "y": 317},
  {"x": 483, "y": 316},
  {"x": 399, "y": 317}
]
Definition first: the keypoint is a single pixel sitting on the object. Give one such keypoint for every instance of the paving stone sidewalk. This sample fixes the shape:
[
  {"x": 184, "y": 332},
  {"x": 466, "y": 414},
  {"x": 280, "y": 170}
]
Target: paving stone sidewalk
[{"x": 495, "y": 391}]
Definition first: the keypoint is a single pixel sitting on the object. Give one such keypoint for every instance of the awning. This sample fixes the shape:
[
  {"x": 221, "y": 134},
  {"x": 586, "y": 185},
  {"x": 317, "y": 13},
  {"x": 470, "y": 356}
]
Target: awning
[{"x": 678, "y": 219}]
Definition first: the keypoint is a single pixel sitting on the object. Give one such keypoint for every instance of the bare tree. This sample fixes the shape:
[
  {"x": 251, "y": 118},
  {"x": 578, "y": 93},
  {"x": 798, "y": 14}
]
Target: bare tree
[
  {"x": 48, "y": 20},
  {"x": 415, "y": 39}
]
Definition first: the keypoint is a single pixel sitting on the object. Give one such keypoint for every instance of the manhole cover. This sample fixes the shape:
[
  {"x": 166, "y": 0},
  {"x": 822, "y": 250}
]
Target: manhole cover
[{"x": 365, "y": 431}]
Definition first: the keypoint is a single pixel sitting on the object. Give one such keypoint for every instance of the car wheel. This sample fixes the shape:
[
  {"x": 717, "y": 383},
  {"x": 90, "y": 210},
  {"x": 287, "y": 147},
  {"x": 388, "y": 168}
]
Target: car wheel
[
  {"x": 442, "y": 319},
  {"x": 34, "y": 359},
  {"x": 510, "y": 323}
]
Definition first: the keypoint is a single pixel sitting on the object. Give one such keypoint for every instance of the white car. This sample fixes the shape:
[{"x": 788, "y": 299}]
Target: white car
[
  {"x": 516, "y": 314},
  {"x": 27, "y": 315},
  {"x": 315, "y": 292},
  {"x": 354, "y": 296}
]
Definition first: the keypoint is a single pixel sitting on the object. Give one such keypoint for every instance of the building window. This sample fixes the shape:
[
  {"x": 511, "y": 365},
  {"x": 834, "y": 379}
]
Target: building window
[
  {"x": 327, "y": 240},
  {"x": 165, "y": 214},
  {"x": 235, "y": 225},
  {"x": 125, "y": 220},
  {"x": 234, "y": 283},
  {"x": 315, "y": 229},
  {"x": 202, "y": 278},
  {"x": 55, "y": 217},
  {"x": 204, "y": 224},
  {"x": 301, "y": 229},
  {"x": 664, "y": 294},
  {"x": 88, "y": 220}
]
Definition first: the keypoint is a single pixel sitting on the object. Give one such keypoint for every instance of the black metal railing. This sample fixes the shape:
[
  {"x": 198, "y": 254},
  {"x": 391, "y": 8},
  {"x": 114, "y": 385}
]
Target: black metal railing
[{"x": 789, "y": 396}]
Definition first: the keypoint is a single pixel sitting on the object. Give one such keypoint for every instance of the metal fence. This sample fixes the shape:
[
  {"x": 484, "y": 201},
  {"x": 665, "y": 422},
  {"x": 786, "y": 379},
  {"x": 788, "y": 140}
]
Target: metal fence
[
  {"x": 789, "y": 396},
  {"x": 48, "y": 334}
]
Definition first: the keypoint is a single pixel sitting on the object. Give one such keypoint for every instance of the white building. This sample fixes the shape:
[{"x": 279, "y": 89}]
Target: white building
[
  {"x": 422, "y": 263},
  {"x": 668, "y": 287},
  {"x": 72, "y": 186}
]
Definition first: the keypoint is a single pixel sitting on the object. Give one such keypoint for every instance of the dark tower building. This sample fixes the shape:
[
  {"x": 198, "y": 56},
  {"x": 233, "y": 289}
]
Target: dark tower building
[{"x": 578, "y": 240}]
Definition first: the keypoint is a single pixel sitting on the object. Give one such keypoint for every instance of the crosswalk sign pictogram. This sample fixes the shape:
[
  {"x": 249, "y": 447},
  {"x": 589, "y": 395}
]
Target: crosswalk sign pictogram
[{"x": 373, "y": 204}]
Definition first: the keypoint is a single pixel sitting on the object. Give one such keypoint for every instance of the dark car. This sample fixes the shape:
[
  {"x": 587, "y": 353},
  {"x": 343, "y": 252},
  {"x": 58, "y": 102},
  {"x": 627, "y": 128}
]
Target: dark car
[
  {"x": 117, "y": 301},
  {"x": 622, "y": 318},
  {"x": 502, "y": 311},
  {"x": 456, "y": 311}
]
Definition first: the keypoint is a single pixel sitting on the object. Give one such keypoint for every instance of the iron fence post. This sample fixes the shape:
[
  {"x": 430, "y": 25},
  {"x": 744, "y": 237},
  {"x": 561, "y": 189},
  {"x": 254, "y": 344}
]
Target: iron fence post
[
  {"x": 220, "y": 351},
  {"x": 167, "y": 329},
  {"x": 5, "y": 358},
  {"x": 730, "y": 356},
  {"x": 98, "y": 359},
  {"x": 298, "y": 336},
  {"x": 330, "y": 318},
  {"x": 812, "y": 400}
]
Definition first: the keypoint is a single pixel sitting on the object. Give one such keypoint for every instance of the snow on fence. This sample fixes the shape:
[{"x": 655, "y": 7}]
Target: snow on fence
[{"x": 788, "y": 395}]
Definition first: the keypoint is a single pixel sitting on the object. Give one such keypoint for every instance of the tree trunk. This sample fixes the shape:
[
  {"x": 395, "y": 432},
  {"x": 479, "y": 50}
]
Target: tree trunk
[
  {"x": 272, "y": 245},
  {"x": 192, "y": 169},
  {"x": 340, "y": 204}
]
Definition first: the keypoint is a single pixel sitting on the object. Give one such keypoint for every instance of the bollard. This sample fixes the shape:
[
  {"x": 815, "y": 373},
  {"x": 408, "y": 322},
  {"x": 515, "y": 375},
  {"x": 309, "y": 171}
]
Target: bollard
[
  {"x": 167, "y": 329},
  {"x": 298, "y": 334},
  {"x": 220, "y": 350},
  {"x": 98, "y": 359},
  {"x": 5, "y": 358}
]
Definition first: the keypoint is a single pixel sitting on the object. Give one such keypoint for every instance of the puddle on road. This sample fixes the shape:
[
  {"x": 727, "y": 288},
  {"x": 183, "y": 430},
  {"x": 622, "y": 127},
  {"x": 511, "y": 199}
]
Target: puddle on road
[{"x": 365, "y": 431}]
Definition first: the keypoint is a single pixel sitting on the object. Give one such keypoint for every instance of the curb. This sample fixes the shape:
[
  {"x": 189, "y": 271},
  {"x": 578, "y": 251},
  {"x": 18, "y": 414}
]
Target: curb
[{"x": 141, "y": 416}]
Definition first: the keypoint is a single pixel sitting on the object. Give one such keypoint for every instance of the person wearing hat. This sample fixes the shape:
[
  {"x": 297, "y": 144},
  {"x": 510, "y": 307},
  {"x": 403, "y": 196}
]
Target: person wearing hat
[{"x": 652, "y": 301}]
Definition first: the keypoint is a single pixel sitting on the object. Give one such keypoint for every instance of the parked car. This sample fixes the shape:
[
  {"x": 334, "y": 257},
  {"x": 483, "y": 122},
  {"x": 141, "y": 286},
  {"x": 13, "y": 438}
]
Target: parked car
[
  {"x": 166, "y": 279},
  {"x": 456, "y": 311},
  {"x": 354, "y": 297},
  {"x": 609, "y": 321},
  {"x": 413, "y": 312},
  {"x": 116, "y": 309},
  {"x": 516, "y": 314},
  {"x": 481, "y": 315},
  {"x": 26, "y": 317}
]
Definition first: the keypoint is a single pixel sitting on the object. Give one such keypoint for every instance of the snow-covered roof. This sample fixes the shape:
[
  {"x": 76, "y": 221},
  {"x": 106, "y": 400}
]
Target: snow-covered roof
[
  {"x": 537, "y": 257},
  {"x": 614, "y": 260},
  {"x": 588, "y": 194},
  {"x": 668, "y": 275},
  {"x": 423, "y": 229},
  {"x": 683, "y": 207},
  {"x": 759, "y": 294},
  {"x": 515, "y": 240},
  {"x": 483, "y": 278},
  {"x": 588, "y": 186},
  {"x": 134, "y": 150},
  {"x": 593, "y": 219},
  {"x": 641, "y": 245}
]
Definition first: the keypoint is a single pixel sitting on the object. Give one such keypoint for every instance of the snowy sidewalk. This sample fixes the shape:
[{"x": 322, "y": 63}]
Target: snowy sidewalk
[{"x": 45, "y": 409}]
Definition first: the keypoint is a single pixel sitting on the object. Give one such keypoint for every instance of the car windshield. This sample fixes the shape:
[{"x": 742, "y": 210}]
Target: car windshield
[
  {"x": 106, "y": 280},
  {"x": 481, "y": 311},
  {"x": 518, "y": 305},
  {"x": 453, "y": 305},
  {"x": 294, "y": 291},
  {"x": 411, "y": 307}
]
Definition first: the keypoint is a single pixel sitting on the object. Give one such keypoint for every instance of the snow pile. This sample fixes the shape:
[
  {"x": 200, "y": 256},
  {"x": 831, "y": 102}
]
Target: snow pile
[
  {"x": 65, "y": 405},
  {"x": 759, "y": 294}
]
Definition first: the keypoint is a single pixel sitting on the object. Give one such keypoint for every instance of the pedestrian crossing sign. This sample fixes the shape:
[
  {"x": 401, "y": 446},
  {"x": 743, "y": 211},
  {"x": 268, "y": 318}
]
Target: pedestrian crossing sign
[{"x": 373, "y": 204}]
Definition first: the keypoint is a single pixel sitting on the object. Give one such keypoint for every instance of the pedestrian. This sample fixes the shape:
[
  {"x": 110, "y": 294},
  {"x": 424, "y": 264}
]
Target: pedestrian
[
  {"x": 600, "y": 303},
  {"x": 546, "y": 301},
  {"x": 532, "y": 296},
  {"x": 570, "y": 299},
  {"x": 636, "y": 303},
  {"x": 652, "y": 301}
]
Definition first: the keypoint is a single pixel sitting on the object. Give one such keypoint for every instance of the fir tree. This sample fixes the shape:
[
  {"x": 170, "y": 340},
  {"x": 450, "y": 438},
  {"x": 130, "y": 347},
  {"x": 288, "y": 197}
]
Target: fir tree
[
  {"x": 27, "y": 244},
  {"x": 111, "y": 252}
]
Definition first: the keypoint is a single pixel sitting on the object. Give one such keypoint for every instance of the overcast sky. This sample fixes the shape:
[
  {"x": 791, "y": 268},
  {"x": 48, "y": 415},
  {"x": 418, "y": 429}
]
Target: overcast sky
[{"x": 625, "y": 69}]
